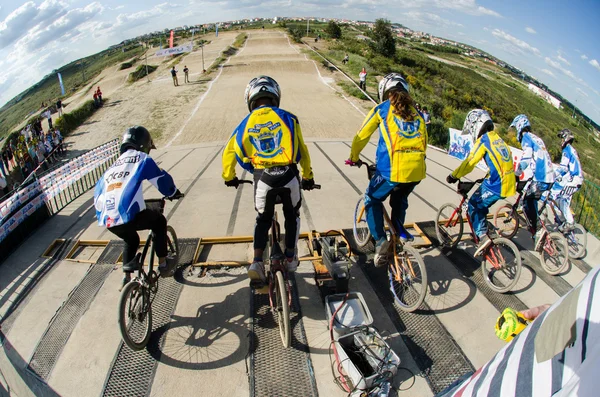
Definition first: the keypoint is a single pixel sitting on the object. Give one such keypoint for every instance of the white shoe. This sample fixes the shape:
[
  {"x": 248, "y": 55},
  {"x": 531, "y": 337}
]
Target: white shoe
[
  {"x": 292, "y": 265},
  {"x": 381, "y": 254},
  {"x": 256, "y": 271},
  {"x": 539, "y": 239}
]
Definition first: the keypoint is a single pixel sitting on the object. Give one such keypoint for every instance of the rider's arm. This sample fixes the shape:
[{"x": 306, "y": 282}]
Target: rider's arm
[
  {"x": 471, "y": 161},
  {"x": 563, "y": 167},
  {"x": 363, "y": 136},
  {"x": 229, "y": 159},
  {"x": 527, "y": 157},
  {"x": 304, "y": 160},
  {"x": 159, "y": 178}
]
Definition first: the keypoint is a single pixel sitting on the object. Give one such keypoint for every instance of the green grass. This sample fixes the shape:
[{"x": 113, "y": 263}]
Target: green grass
[
  {"x": 125, "y": 65},
  {"x": 140, "y": 72},
  {"x": 48, "y": 90},
  {"x": 229, "y": 52}
]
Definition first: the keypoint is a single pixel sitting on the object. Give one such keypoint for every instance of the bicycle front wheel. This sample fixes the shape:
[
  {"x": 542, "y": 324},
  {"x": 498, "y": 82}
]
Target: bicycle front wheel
[
  {"x": 577, "y": 240},
  {"x": 135, "y": 315},
  {"x": 506, "y": 220},
  {"x": 360, "y": 228},
  {"x": 501, "y": 265},
  {"x": 449, "y": 225},
  {"x": 408, "y": 279},
  {"x": 172, "y": 242},
  {"x": 282, "y": 309},
  {"x": 554, "y": 254}
]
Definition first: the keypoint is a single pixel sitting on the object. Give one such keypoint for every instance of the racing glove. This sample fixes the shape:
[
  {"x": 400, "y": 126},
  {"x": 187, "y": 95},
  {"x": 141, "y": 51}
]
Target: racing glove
[
  {"x": 450, "y": 179},
  {"x": 235, "y": 182},
  {"x": 308, "y": 184}
]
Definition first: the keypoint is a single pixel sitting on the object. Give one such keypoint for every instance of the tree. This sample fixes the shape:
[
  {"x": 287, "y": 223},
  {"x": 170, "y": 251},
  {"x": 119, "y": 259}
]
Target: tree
[
  {"x": 333, "y": 30},
  {"x": 383, "y": 38}
]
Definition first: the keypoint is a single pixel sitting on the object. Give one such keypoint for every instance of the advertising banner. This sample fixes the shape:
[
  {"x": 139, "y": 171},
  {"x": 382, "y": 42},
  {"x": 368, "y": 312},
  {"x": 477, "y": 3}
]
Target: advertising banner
[
  {"x": 461, "y": 145},
  {"x": 174, "y": 51}
]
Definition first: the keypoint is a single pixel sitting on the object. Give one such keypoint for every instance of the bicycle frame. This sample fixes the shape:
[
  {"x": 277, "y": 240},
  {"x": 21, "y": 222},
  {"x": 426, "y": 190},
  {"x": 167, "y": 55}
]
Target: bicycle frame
[{"x": 276, "y": 263}]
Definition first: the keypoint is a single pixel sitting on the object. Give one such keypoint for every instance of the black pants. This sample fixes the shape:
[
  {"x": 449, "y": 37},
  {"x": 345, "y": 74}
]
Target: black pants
[
  {"x": 144, "y": 220},
  {"x": 282, "y": 182}
]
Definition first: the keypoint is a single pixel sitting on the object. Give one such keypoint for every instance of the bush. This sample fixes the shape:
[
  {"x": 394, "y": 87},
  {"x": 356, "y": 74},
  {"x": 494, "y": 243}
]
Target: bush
[
  {"x": 70, "y": 121},
  {"x": 140, "y": 72},
  {"x": 438, "y": 134},
  {"x": 296, "y": 34},
  {"x": 383, "y": 38},
  {"x": 333, "y": 30},
  {"x": 125, "y": 65}
]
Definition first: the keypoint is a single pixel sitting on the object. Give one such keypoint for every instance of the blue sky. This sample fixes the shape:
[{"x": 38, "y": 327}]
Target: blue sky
[{"x": 554, "y": 41}]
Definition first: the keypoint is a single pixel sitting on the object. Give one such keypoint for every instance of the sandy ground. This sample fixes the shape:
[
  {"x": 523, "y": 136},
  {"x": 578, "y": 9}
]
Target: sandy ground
[{"x": 207, "y": 111}]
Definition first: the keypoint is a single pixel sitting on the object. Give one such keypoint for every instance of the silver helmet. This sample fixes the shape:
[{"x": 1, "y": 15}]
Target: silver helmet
[
  {"x": 391, "y": 82},
  {"x": 477, "y": 123},
  {"x": 262, "y": 87}
]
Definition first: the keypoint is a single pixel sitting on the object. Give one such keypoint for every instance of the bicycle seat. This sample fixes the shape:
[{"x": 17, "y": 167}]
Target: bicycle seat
[{"x": 134, "y": 264}]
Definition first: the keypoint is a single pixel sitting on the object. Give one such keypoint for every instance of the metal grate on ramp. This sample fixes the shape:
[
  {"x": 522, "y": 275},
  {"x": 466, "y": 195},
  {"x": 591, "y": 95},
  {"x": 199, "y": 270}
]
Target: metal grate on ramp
[
  {"x": 471, "y": 268},
  {"x": 557, "y": 283},
  {"x": 275, "y": 370},
  {"x": 62, "y": 325},
  {"x": 112, "y": 252},
  {"x": 131, "y": 372}
]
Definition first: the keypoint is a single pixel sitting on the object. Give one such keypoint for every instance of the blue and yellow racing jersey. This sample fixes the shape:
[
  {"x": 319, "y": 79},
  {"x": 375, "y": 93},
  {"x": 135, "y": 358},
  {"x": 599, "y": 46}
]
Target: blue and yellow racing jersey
[
  {"x": 498, "y": 157},
  {"x": 267, "y": 137},
  {"x": 402, "y": 144}
]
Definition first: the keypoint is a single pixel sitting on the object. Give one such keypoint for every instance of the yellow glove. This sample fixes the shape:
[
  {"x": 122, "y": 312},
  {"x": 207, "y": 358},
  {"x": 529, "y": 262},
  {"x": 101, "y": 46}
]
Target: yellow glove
[{"x": 510, "y": 324}]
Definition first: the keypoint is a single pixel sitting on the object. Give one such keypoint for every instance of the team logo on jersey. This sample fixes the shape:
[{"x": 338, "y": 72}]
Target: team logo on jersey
[
  {"x": 266, "y": 139},
  {"x": 408, "y": 129},
  {"x": 504, "y": 152}
]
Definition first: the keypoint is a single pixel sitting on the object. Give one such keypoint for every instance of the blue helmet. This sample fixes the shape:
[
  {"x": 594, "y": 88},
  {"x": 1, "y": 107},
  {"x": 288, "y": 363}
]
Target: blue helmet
[{"x": 521, "y": 124}]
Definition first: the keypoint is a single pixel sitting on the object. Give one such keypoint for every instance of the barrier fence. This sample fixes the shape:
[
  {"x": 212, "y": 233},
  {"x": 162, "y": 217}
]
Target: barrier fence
[
  {"x": 586, "y": 206},
  {"x": 46, "y": 194}
]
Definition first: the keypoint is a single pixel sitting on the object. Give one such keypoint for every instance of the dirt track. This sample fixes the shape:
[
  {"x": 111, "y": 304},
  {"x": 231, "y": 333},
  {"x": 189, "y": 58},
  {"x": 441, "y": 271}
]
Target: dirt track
[{"x": 209, "y": 111}]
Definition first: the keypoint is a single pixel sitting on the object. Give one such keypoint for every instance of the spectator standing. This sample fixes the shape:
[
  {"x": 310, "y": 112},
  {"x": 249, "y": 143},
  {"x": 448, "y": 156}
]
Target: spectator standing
[
  {"x": 174, "y": 75},
  {"x": 427, "y": 119},
  {"x": 96, "y": 102},
  {"x": 346, "y": 59},
  {"x": 99, "y": 93},
  {"x": 3, "y": 170},
  {"x": 186, "y": 71},
  {"x": 3, "y": 187},
  {"x": 59, "y": 138},
  {"x": 49, "y": 116},
  {"x": 362, "y": 79},
  {"x": 59, "y": 107},
  {"x": 5, "y": 160}
]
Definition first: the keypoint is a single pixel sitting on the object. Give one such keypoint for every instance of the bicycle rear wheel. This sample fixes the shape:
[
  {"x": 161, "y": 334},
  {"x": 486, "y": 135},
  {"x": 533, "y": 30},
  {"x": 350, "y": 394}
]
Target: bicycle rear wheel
[
  {"x": 554, "y": 254},
  {"x": 282, "y": 309},
  {"x": 506, "y": 220},
  {"x": 449, "y": 225},
  {"x": 172, "y": 242},
  {"x": 360, "y": 228},
  {"x": 408, "y": 281},
  {"x": 501, "y": 265},
  {"x": 135, "y": 315},
  {"x": 577, "y": 240}
]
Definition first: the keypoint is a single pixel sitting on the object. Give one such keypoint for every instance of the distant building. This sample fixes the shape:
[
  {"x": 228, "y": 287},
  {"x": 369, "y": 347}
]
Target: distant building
[{"x": 549, "y": 98}]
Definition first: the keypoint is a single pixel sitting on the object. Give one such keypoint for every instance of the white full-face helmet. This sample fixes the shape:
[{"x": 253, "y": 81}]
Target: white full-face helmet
[
  {"x": 262, "y": 87},
  {"x": 391, "y": 82},
  {"x": 477, "y": 123}
]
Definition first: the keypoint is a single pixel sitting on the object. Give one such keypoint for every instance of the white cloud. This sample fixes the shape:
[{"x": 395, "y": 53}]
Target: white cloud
[
  {"x": 563, "y": 60},
  {"x": 530, "y": 30},
  {"x": 548, "y": 72},
  {"x": 584, "y": 57},
  {"x": 582, "y": 92},
  {"x": 595, "y": 64},
  {"x": 516, "y": 44},
  {"x": 430, "y": 19},
  {"x": 466, "y": 6},
  {"x": 556, "y": 65}
]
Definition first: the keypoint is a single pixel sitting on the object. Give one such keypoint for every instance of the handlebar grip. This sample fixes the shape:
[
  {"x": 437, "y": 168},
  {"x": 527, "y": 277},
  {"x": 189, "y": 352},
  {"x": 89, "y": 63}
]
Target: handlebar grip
[{"x": 248, "y": 181}]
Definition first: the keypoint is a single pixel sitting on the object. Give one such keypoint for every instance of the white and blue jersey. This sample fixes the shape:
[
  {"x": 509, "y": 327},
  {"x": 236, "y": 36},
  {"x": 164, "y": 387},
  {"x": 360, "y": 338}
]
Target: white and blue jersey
[
  {"x": 536, "y": 159},
  {"x": 118, "y": 196},
  {"x": 570, "y": 167}
]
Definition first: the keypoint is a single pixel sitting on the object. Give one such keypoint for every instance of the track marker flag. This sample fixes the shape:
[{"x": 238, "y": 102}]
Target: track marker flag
[
  {"x": 171, "y": 40},
  {"x": 217, "y": 29},
  {"x": 62, "y": 87}
]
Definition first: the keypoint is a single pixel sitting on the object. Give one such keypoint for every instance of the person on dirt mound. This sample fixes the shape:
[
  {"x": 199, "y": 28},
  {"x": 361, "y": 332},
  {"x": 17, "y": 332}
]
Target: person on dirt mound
[
  {"x": 500, "y": 180},
  {"x": 400, "y": 158},
  {"x": 120, "y": 203},
  {"x": 269, "y": 143}
]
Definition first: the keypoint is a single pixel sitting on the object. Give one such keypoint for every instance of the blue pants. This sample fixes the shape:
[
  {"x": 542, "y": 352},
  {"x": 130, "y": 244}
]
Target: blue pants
[
  {"x": 379, "y": 189},
  {"x": 530, "y": 202},
  {"x": 479, "y": 205}
]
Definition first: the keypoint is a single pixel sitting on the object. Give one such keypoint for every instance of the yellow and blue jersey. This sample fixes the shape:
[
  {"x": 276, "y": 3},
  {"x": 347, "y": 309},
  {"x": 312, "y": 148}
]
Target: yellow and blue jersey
[
  {"x": 266, "y": 138},
  {"x": 498, "y": 157},
  {"x": 402, "y": 144}
]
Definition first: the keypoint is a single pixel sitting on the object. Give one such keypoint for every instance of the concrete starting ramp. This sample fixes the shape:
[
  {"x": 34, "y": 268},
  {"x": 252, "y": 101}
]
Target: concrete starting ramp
[{"x": 214, "y": 335}]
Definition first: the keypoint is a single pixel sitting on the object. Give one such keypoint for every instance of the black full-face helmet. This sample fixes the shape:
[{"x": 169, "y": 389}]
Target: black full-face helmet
[{"x": 138, "y": 138}]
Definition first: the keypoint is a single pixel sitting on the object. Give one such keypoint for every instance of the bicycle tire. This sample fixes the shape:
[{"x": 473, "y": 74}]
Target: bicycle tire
[
  {"x": 448, "y": 237},
  {"x": 172, "y": 242},
  {"x": 554, "y": 253},
  {"x": 506, "y": 220},
  {"x": 136, "y": 334},
  {"x": 501, "y": 279},
  {"x": 282, "y": 309},
  {"x": 577, "y": 241},
  {"x": 360, "y": 228},
  {"x": 409, "y": 302}
]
